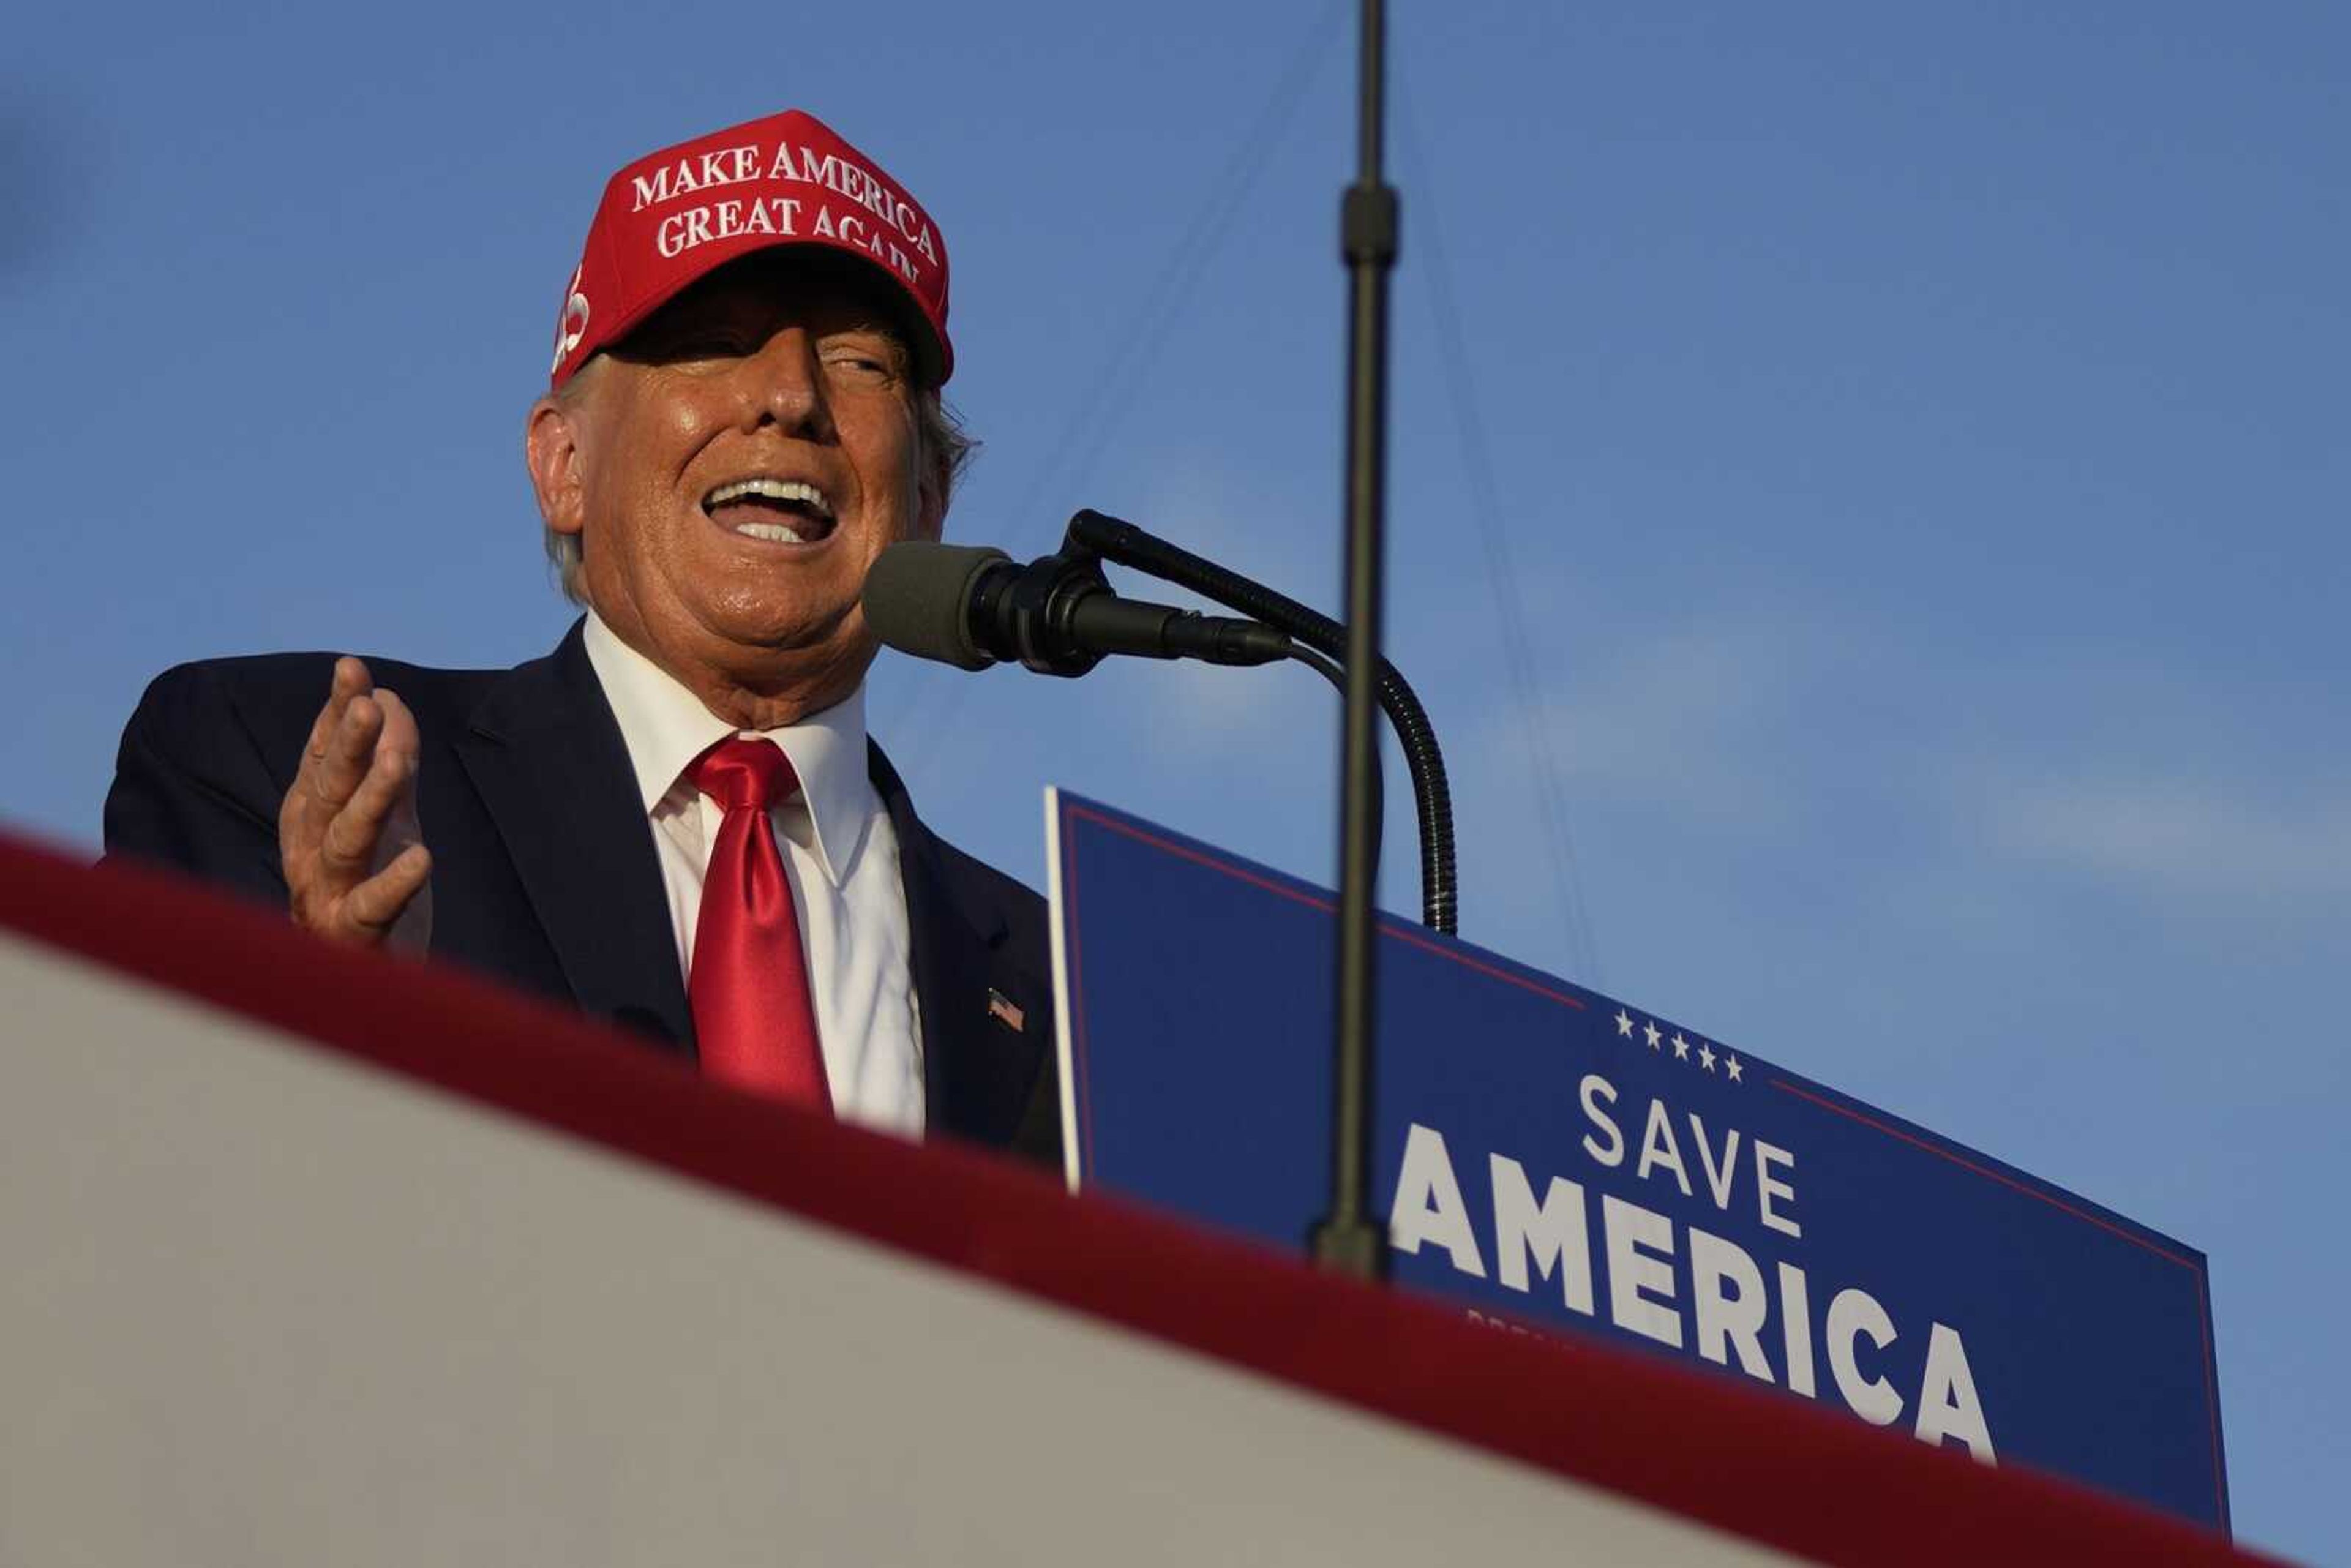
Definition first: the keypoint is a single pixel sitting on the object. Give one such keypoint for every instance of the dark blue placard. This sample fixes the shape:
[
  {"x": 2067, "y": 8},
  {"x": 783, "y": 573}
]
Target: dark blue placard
[{"x": 2026, "y": 1325}]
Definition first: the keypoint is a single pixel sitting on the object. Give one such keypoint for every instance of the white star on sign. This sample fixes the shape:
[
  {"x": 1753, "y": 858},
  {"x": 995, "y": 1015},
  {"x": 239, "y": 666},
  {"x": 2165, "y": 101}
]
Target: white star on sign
[
  {"x": 1652, "y": 1031},
  {"x": 1681, "y": 1047},
  {"x": 1730, "y": 1065},
  {"x": 1624, "y": 1024},
  {"x": 1706, "y": 1057}
]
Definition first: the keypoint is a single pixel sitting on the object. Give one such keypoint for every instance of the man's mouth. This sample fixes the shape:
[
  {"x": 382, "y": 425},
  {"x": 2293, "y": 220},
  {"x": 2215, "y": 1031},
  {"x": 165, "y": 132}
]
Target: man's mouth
[{"x": 781, "y": 511}]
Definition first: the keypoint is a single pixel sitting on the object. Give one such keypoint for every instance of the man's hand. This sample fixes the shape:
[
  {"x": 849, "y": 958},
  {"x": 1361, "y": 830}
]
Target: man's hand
[{"x": 356, "y": 866}]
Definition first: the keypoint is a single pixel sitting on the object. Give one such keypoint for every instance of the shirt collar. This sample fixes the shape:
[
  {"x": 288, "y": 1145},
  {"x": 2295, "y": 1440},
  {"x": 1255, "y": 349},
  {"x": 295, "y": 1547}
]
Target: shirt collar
[{"x": 666, "y": 727}]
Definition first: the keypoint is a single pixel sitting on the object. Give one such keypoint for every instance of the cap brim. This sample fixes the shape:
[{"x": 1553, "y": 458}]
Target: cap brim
[{"x": 932, "y": 360}]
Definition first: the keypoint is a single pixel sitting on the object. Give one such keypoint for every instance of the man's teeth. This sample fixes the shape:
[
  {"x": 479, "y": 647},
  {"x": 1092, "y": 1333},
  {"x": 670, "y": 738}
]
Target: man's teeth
[
  {"x": 774, "y": 533},
  {"x": 771, "y": 490}
]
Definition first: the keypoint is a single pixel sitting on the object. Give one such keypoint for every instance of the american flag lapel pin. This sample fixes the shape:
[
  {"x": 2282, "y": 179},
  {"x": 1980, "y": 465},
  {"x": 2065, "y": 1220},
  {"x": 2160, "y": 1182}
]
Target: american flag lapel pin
[{"x": 1001, "y": 1008}]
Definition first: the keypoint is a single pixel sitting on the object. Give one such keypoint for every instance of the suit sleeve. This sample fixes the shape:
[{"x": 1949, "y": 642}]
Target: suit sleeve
[{"x": 192, "y": 789}]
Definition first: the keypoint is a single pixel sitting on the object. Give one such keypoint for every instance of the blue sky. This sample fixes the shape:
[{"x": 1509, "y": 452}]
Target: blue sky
[{"x": 1915, "y": 438}]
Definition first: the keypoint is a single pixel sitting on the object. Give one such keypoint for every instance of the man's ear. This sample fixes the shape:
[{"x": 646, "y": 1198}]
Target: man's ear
[{"x": 551, "y": 450}]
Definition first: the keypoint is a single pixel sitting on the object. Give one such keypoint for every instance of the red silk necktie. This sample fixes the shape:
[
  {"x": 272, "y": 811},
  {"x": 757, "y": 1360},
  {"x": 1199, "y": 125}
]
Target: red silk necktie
[{"x": 753, "y": 1019}]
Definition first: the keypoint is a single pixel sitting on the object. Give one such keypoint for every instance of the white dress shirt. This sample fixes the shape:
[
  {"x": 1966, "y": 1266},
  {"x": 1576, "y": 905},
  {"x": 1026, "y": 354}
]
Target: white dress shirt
[{"x": 840, "y": 856}]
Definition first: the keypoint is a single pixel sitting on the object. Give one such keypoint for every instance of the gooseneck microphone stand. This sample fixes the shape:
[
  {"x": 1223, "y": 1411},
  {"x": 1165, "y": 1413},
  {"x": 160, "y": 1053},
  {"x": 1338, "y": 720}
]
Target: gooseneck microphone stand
[
  {"x": 1097, "y": 535},
  {"x": 1349, "y": 1240}
]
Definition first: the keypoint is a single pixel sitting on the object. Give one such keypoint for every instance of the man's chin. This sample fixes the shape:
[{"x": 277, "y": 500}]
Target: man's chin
[
  {"x": 764, "y": 654},
  {"x": 765, "y": 616}
]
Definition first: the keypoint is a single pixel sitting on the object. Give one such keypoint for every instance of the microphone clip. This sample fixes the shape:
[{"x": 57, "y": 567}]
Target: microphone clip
[{"x": 1031, "y": 607}]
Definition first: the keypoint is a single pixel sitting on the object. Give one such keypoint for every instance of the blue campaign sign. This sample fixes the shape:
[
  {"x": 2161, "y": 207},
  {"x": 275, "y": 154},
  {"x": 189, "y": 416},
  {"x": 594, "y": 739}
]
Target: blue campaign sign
[{"x": 1553, "y": 1158}]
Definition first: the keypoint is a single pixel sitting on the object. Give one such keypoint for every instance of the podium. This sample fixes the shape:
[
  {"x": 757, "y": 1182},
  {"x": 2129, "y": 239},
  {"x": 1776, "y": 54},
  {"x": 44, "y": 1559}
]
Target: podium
[{"x": 309, "y": 1255}]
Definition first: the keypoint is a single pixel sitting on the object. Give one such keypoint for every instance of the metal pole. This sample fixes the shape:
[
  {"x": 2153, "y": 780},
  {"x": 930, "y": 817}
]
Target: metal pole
[{"x": 1349, "y": 1240}]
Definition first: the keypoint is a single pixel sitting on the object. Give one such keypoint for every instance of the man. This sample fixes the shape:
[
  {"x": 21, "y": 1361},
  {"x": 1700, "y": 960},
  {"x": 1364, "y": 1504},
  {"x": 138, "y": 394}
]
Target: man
[{"x": 676, "y": 819}]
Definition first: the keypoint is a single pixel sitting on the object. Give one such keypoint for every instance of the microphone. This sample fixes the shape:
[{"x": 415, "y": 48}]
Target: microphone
[{"x": 971, "y": 606}]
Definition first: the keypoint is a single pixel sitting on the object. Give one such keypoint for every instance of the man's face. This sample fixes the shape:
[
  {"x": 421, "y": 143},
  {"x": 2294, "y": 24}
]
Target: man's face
[{"x": 733, "y": 468}]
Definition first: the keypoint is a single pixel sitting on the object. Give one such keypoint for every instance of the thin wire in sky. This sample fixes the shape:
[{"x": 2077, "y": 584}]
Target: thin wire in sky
[
  {"x": 1502, "y": 578},
  {"x": 1111, "y": 394}
]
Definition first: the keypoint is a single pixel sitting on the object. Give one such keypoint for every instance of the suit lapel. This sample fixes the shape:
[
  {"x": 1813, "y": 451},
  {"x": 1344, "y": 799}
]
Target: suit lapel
[
  {"x": 979, "y": 1069},
  {"x": 547, "y": 756}
]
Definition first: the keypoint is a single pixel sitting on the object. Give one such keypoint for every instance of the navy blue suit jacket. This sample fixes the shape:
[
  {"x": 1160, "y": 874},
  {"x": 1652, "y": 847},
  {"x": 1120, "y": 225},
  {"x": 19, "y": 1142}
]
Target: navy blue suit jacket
[{"x": 544, "y": 870}]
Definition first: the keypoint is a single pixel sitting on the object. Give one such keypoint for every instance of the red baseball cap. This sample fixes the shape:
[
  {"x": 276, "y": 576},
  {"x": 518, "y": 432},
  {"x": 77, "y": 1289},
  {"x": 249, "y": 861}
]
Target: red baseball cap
[{"x": 675, "y": 216}]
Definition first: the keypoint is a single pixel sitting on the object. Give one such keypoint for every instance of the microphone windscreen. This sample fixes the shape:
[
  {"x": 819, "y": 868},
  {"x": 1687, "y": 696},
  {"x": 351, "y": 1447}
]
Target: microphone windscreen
[{"x": 918, "y": 598}]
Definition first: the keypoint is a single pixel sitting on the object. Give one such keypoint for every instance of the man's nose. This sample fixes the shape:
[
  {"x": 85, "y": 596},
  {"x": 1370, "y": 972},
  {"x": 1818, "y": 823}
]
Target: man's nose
[{"x": 784, "y": 386}]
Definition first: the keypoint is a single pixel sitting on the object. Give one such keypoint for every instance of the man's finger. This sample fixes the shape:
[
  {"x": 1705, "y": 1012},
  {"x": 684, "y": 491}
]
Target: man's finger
[
  {"x": 347, "y": 847},
  {"x": 402, "y": 739},
  {"x": 351, "y": 750},
  {"x": 298, "y": 825},
  {"x": 370, "y": 908},
  {"x": 400, "y": 731},
  {"x": 351, "y": 678}
]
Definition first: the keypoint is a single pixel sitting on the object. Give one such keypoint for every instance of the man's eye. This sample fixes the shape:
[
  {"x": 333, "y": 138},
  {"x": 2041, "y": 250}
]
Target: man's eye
[{"x": 859, "y": 362}]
